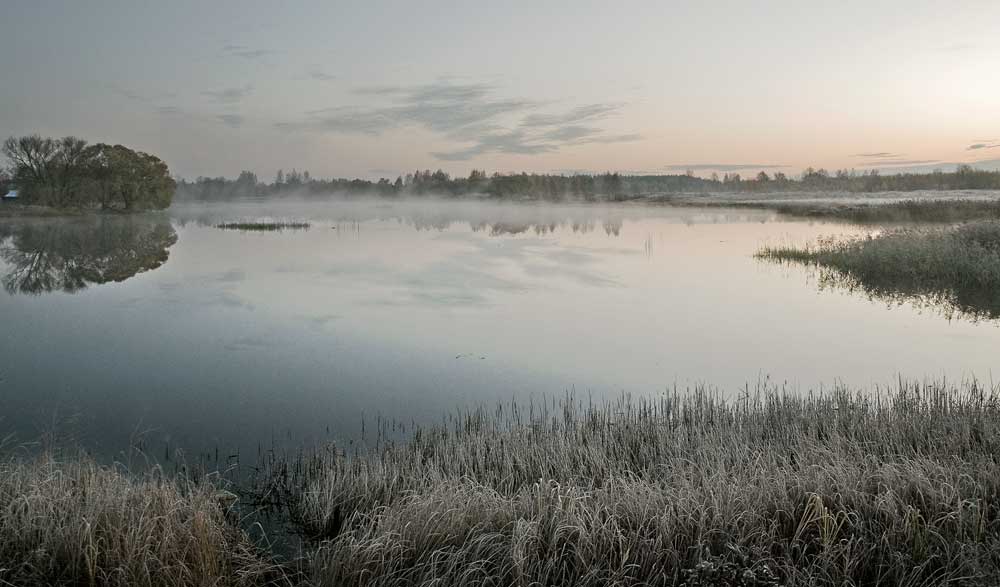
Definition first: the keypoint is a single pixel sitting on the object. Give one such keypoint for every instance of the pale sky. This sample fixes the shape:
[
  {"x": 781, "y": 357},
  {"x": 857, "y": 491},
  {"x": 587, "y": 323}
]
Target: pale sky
[{"x": 379, "y": 88}]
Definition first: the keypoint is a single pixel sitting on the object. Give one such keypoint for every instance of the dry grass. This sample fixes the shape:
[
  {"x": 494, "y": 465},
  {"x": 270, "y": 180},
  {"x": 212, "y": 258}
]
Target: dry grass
[
  {"x": 77, "y": 523},
  {"x": 899, "y": 488}
]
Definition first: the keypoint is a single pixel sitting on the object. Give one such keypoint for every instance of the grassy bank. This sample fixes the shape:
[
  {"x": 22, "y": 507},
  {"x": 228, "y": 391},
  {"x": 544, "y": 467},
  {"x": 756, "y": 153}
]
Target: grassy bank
[
  {"x": 957, "y": 266},
  {"x": 76, "y": 523},
  {"x": 892, "y": 487}
]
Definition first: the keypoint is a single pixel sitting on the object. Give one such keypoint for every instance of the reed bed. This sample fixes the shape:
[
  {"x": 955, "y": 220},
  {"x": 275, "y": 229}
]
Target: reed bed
[
  {"x": 893, "y": 487},
  {"x": 263, "y": 226},
  {"x": 958, "y": 267},
  {"x": 78, "y": 523}
]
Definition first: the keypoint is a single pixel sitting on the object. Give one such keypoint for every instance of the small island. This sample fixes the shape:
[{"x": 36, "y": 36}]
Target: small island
[{"x": 65, "y": 176}]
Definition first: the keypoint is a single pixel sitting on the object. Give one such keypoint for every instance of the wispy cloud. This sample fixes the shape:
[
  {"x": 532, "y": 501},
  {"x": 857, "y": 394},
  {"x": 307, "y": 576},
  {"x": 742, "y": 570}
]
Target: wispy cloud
[
  {"x": 926, "y": 167},
  {"x": 466, "y": 113},
  {"x": 881, "y": 155},
  {"x": 888, "y": 160},
  {"x": 991, "y": 144},
  {"x": 231, "y": 120},
  {"x": 229, "y": 95},
  {"x": 244, "y": 52},
  {"x": 574, "y": 116},
  {"x": 895, "y": 162},
  {"x": 960, "y": 47},
  {"x": 722, "y": 166},
  {"x": 318, "y": 74},
  {"x": 141, "y": 97}
]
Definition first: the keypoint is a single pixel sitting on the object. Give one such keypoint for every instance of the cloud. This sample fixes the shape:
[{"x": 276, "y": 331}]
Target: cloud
[
  {"x": 881, "y": 155},
  {"x": 465, "y": 113},
  {"x": 169, "y": 110},
  {"x": 576, "y": 115},
  {"x": 983, "y": 145},
  {"x": 946, "y": 166},
  {"x": 956, "y": 47},
  {"x": 898, "y": 162},
  {"x": 143, "y": 98},
  {"x": 231, "y": 120},
  {"x": 320, "y": 75},
  {"x": 515, "y": 142},
  {"x": 722, "y": 166},
  {"x": 229, "y": 95},
  {"x": 244, "y": 52}
]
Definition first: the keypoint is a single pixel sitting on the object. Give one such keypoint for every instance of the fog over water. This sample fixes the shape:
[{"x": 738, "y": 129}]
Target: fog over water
[{"x": 167, "y": 328}]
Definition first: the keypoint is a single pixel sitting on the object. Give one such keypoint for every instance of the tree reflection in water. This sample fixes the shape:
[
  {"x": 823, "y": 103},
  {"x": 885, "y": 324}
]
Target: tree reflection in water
[{"x": 43, "y": 256}]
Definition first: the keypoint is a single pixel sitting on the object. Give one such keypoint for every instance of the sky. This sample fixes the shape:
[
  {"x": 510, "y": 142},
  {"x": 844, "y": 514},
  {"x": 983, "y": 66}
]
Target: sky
[{"x": 379, "y": 88}]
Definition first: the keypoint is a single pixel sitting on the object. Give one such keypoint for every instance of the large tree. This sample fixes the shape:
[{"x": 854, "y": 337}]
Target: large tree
[{"x": 68, "y": 173}]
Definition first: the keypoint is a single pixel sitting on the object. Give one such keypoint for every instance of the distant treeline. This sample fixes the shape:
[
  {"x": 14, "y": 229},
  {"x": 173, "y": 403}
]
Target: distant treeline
[
  {"x": 606, "y": 186},
  {"x": 69, "y": 173}
]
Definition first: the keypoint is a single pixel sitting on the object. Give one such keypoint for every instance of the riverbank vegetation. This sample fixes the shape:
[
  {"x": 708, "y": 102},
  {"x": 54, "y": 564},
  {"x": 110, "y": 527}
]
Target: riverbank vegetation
[
  {"x": 957, "y": 267},
  {"x": 603, "y": 187},
  {"x": 773, "y": 487},
  {"x": 68, "y": 173}
]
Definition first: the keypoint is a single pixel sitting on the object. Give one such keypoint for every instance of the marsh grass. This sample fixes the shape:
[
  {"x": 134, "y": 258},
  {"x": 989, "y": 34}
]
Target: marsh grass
[
  {"x": 263, "y": 226},
  {"x": 957, "y": 267},
  {"x": 75, "y": 522},
  {"x": 894, "y": 487},
  {"x": 912, "y": 211}
]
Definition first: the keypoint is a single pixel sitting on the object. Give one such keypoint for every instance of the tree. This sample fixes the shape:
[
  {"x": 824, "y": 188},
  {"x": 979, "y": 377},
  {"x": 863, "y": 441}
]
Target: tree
[{"x": 68, "y": 173}]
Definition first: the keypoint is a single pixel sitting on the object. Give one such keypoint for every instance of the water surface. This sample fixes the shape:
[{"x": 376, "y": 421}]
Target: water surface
[{"x": 167, "y": 329}]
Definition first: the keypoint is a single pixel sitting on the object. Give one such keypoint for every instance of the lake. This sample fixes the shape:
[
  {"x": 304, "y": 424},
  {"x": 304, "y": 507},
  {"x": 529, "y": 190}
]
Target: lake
[{"x": 166, "y": 331}]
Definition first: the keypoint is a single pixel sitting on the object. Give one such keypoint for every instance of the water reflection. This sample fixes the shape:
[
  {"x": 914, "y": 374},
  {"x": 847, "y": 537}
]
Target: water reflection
[
  {"x": 495, "y": 219},
  {"x": 43, "y": 256},
  {"x": 966, "y": 303}
]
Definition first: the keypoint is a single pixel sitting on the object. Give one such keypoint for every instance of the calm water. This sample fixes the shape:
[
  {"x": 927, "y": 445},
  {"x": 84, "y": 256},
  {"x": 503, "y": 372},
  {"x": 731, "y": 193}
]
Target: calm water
[{"x": 168, "y": 329}]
